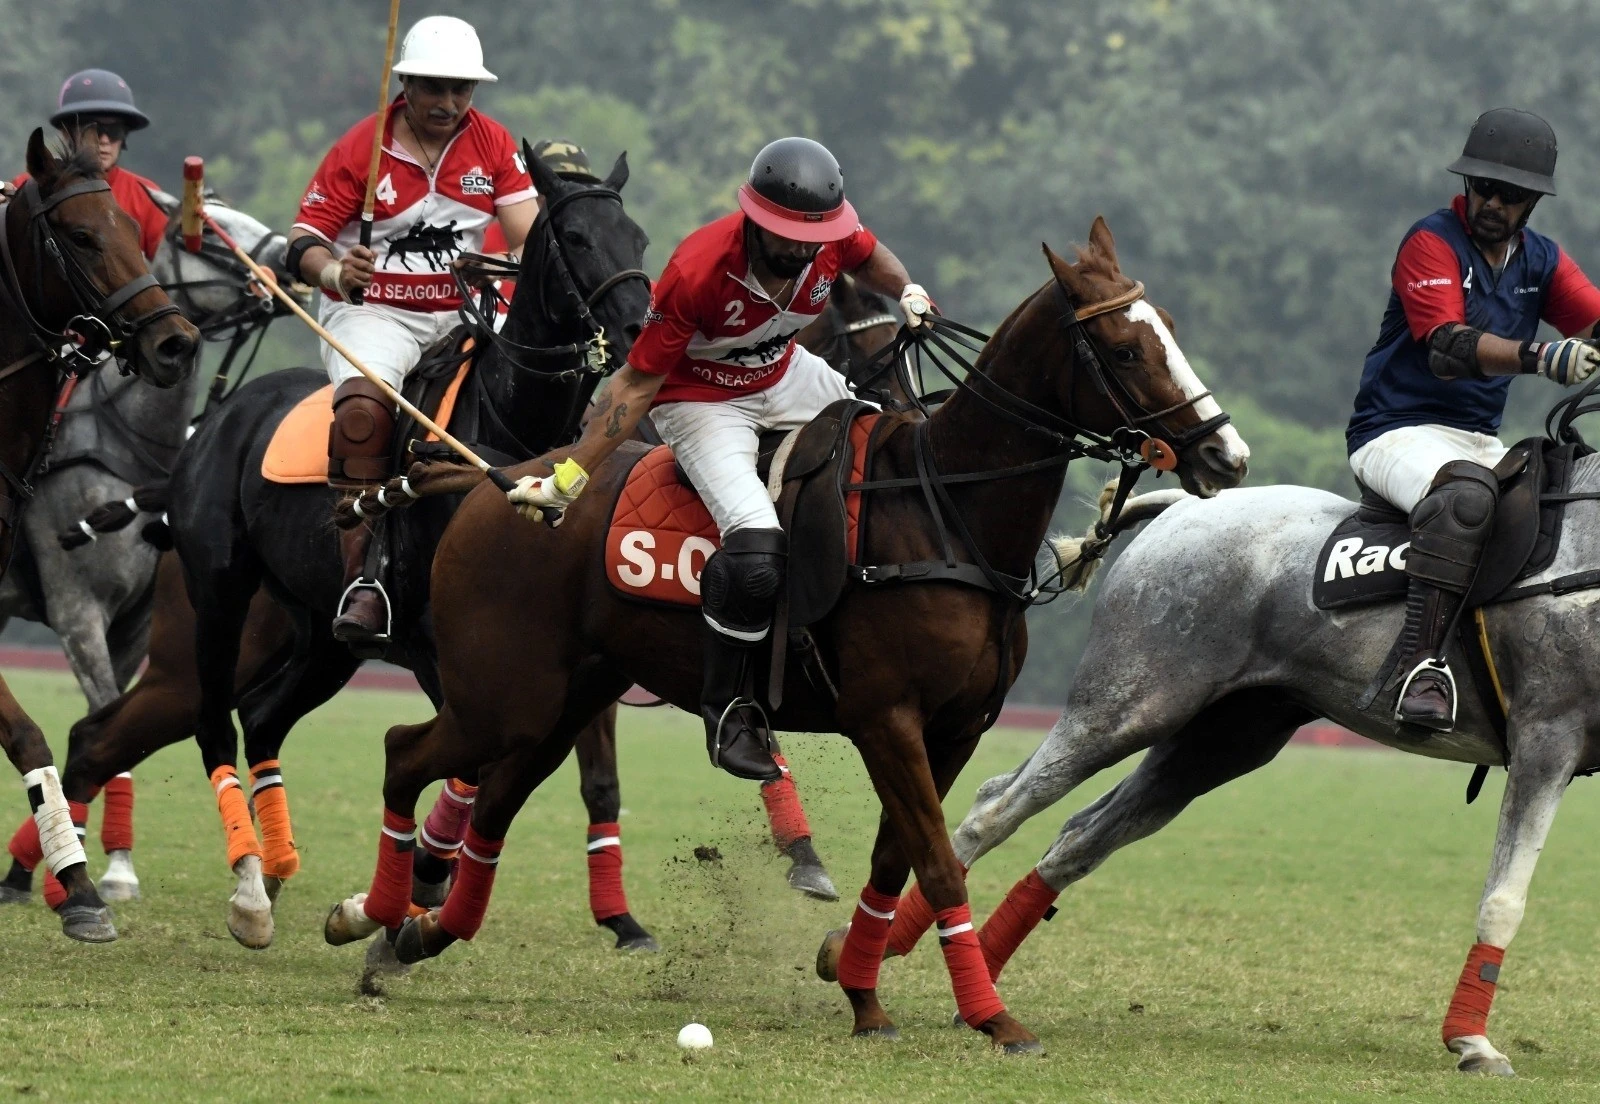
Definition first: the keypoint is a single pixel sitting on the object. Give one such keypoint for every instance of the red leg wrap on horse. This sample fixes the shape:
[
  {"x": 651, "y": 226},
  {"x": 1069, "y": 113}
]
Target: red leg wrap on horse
[
  {"x": 279, "y": 857},
  {"x": 607, "y": 898},
  {"x": 868, "y": 936},
  {"x": 784, "y": 811},
  {"x": 914, "y": 917},
  {"x": 1010, "y": 924},
  {"x": 116, "y": 823},
  {"x": 464, "y": 909},
  {"x": 25, "y": 846},
  {"x": 976, "y": 999},
  {"x": 54, "y": 891},
  {"x": 447, "y": 820},
  {"x": 391, "y": 882},
  {"x": 1469, "y": 1006}
]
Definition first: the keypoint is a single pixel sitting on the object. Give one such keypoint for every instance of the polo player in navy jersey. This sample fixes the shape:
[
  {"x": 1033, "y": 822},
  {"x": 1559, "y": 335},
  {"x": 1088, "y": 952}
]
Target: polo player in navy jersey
[{"x": 1470, "y": 286}]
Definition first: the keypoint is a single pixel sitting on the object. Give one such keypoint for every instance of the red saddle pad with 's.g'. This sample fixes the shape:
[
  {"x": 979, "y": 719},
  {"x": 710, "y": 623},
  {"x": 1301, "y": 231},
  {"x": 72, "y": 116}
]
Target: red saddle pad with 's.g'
[{"x": 661, "y": 534}]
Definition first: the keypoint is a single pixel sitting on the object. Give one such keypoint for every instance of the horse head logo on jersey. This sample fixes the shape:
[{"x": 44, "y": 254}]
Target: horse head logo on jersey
[{"x": 437, "y": 244}]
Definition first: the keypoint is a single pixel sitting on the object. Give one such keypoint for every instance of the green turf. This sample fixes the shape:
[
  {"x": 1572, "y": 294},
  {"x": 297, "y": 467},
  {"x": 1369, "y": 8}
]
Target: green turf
[{"x": 1293, "y": 938}]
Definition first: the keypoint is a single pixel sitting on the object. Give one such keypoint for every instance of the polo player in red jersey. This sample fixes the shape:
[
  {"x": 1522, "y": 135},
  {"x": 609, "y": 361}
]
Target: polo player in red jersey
[
  {"x": 715, "y": 364},
  {"x": 100, "y": 99},
  {"x": 447, "y": 174}
]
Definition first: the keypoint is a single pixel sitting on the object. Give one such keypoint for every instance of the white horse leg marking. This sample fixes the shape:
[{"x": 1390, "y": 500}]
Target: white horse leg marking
[
  {"x": 1235, "y": 451},
  {"x": 250, "y": 909}
]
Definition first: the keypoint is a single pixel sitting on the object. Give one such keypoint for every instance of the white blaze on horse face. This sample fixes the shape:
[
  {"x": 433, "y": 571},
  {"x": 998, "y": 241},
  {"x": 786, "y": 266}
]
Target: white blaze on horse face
[{"x": 1235, "y": 451}]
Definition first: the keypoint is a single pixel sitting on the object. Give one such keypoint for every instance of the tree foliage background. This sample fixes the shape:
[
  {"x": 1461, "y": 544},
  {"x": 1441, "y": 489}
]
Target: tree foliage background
[{"x": 1258, "y": 161}]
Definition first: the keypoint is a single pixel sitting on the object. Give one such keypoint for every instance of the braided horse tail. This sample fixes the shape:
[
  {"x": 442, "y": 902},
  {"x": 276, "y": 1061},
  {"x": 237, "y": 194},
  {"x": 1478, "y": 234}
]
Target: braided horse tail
[
  {"x": 118, "y": 514},
  {"x": 1078, "y": 558},
  {"x": 424, "y": 479}
]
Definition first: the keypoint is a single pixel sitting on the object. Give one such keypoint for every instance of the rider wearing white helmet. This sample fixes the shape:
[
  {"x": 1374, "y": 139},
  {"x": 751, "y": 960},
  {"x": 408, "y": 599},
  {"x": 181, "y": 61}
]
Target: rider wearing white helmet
[{"x": 446, "y": 175}]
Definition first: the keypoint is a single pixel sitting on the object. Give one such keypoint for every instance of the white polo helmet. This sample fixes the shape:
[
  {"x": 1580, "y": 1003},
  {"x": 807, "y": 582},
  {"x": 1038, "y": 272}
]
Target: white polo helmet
[{"x": 442, "y": 46}]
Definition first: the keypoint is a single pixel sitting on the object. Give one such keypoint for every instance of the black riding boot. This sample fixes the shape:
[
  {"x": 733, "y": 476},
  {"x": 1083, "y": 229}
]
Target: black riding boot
[
  {"x": 363, "y": 618},
  {"x": 1449, "y": 530},
  {"x": 739, "y": 588}
]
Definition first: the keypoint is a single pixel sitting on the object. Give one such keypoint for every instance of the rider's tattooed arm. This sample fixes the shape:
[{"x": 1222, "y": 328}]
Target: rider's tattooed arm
[{"x": 615, "y": 414}]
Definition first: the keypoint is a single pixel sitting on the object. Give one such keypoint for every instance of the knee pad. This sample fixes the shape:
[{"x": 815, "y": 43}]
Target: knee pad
[
  {"x": 1451, "y": 526},
  {"x": 740, "y": 583},
  {"x": 361, "y": 439}
]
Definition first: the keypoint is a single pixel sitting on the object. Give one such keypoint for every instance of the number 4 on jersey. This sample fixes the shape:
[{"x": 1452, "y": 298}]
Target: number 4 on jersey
[{"x": 386, "y": 192}]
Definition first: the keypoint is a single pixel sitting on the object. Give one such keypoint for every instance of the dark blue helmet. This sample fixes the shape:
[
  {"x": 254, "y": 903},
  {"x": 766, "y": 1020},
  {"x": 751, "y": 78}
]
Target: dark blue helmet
[{"x": 97, "y": 92}]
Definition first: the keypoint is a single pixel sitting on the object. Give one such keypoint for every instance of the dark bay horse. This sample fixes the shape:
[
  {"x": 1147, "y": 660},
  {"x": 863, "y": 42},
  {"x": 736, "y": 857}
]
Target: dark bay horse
[
  {"x": 920, "y": 668},
  {"x": 74, "y": 290},
  {"x": 163, "y": 707}
]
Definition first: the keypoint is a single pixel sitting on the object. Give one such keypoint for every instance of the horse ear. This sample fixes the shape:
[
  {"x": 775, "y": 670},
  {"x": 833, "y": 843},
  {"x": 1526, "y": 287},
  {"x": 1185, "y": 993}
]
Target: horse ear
[
  {"x": 619, "y": 173},
  {"x": 1066, "y": 275},
  {"x": 544, "y": 178},
  {"x": 1100, "y": 238},
  {"x": 42, "y": 164}
]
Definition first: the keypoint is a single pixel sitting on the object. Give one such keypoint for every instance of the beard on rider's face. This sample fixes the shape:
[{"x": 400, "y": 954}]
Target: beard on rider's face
[{"x": 785, "y": 262}]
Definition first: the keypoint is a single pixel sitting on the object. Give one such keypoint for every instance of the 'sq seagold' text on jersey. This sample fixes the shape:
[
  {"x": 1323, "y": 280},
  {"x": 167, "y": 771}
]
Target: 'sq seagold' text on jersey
[
  {"x": 420, "y": 222},
  {"x": 713, "y": 332}
]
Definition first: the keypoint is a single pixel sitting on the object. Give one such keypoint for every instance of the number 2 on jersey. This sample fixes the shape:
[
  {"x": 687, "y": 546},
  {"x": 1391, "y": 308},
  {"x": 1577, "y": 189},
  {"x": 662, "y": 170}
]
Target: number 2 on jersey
[{"x": 735, "y": 311}]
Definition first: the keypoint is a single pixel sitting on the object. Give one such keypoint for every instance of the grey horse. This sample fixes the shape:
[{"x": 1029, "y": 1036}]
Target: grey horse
[
  {"x": 118, "y": 432},
  {"x": 1205, "y": 650}
]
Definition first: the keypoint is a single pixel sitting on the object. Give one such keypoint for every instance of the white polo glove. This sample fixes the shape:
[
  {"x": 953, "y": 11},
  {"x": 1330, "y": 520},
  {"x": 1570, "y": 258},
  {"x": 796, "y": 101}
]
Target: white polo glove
[
  {"x": 1568, "y": 361},
  {"x": 534, "y": 494},
  {"x": 914, "y": 303}
]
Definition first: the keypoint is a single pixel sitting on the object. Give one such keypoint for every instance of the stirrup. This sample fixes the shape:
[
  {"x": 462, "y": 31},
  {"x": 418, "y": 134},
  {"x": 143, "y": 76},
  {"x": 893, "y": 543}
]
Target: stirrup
[
  {"x": 739, "y": 703},
  {"x": 363, "y": 583},
  {"x": 1438, "y": 666}
]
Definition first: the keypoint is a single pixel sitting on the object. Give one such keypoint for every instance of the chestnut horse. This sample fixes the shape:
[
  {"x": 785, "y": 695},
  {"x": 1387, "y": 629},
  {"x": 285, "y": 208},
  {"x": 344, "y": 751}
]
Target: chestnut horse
[
  {"x": 533, "y": 642},
  {"x": 74, "y": 291}
]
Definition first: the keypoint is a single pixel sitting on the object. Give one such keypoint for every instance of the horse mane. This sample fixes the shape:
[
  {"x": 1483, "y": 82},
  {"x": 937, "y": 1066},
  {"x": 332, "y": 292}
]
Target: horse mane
[{"x": 77, "y": 161}]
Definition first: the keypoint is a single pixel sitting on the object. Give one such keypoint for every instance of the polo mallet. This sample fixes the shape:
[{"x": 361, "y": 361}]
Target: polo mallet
[
  {"x": 265, "y": 279},
  {"x": 191, "y": 218},
  {"x": 370, "y": 203}
]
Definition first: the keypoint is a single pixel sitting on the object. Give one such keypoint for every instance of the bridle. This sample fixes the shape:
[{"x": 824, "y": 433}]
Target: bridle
[
  {"x": 838, "y": 339},
  {"x": 98, "y": 330},
  {"x": 549, "y": 260}
]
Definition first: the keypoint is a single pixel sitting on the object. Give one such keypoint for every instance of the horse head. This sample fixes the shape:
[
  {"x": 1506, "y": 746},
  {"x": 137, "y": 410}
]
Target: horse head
[
  {"x": 585, "y": 257},
  {"x": 1135, "y": 380},
  {"x": 212, "y": 288},
  {"x": 86, "y": 253}
]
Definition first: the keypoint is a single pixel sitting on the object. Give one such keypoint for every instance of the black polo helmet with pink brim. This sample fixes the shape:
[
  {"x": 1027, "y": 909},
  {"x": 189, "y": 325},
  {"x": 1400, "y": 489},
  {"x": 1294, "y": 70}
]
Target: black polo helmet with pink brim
[{"x": 796, "y": 190}]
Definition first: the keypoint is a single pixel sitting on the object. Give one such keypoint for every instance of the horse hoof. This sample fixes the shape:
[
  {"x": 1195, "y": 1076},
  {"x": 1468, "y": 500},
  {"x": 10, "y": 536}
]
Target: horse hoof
[
  {"x": 346, "y": 923},
  {"x": 1026, "y": 1046},
  {"x": 408, "y": 946},
  {"x": 11, "y": 895},
  {"x": 630, "y": 934},
  {"x": 381, "y": 959},
  {"x": 957, "y": 1021},
  {"x": 888, "y": 1032},
  {"x": 250, "y": 927},
  {"x": 813, "y": 881},
  {"x": 828, "y": 954},
  {"x": 645, "y": 942},
  {"x": 273, "y": 886},
  {"x": 118, "y": 891},
  {"x": 1486, "y": 1065},
  {"x": 429, "y": 895},
  {"x": 87, "y": 924}
]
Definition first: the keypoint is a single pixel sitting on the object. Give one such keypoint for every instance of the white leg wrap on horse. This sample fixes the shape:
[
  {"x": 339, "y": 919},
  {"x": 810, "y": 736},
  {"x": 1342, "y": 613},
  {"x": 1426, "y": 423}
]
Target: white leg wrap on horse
[{"x": 57, "y": 836}]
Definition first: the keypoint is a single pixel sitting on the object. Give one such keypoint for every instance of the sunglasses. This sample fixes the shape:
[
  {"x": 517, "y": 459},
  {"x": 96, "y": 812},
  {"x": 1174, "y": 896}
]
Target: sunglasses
[
  {"x": 1509, "y": 194},
  {"x": 114, "y": 129}
]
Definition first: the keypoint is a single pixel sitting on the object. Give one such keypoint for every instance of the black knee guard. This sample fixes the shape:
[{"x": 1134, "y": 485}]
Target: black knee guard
[
  {"x": 1451, "y": 526},
  {"x": 739, "y": 585}
]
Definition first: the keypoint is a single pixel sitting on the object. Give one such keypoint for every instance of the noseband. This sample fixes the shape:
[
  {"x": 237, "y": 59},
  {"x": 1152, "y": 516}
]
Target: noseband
[{"x": 98, "y": 330}]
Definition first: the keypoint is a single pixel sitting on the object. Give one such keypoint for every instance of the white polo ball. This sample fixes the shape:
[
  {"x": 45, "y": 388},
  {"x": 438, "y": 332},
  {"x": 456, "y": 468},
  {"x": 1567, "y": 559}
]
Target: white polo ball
[{"x": 695, "y": 1036}]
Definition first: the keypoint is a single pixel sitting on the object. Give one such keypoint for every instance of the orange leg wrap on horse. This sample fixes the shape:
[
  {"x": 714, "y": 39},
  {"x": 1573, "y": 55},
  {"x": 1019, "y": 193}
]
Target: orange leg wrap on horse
[
  {"x": 116, "y": 822},
  {"x": 391, "y": 883},
  {"x": 1010, "y": 924},
  {"x": 864, "y": 944},
  {"x": 25, "y": 846},
  {"x": 976, "y": 999},
  {"x": 1469, "y": 1006},
  {"x": 464, "y": 909},
  {"x": 607, "y": 898},
  {"x": 235, "y": 811},
  {"x": 447, "y": 821},
  {"x": 279, "y": 858},
  {"x": 784, "y": 811}
]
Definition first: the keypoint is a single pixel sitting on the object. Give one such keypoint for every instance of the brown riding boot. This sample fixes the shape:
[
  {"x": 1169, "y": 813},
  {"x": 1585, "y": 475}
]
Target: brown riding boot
[
  {"x": 1428, "y": 697},
  {"x": 360, "y": 456}
]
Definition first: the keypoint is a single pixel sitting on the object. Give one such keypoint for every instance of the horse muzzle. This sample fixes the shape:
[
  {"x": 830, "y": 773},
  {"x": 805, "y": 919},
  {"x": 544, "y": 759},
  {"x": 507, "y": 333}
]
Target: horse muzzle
[{"x": 166, "y": 351}]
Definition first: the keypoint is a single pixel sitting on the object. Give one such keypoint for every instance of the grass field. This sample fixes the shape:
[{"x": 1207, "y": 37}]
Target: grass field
[{"x": 1292, "y": 938}]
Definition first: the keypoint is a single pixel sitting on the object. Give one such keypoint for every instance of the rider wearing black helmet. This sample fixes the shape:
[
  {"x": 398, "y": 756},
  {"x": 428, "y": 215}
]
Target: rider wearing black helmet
[
  {"x": 1470, "y": 286},
  {"x": 718, "y": 363},
  {"x": 100, "y": 98}
]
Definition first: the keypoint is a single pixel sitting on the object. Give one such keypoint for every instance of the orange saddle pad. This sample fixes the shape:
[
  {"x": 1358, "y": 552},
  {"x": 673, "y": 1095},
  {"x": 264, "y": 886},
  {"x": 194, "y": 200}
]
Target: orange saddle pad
[
  {"x": 298, "y": 451},
  {"x": 661, "y": 534}
]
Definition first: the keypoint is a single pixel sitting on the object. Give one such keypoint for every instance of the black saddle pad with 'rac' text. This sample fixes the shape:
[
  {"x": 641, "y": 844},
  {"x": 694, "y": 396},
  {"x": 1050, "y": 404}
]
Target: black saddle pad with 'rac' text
[{"x": 1363, "y": 561}]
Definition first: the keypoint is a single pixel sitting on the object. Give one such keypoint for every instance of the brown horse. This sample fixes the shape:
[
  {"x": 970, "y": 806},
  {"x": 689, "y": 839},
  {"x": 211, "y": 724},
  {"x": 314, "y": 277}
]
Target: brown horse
[
  {"x": 74, "y": 290},
  {"x": 533, "y": 642}
]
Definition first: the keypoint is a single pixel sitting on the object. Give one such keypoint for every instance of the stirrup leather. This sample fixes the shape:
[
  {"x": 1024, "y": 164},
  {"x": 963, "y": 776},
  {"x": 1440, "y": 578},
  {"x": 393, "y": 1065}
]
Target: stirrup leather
[
  {"x": 722, "y": 721},
  {"x": 363, "y": 583},
  {"x": 1438, "y": 666}
]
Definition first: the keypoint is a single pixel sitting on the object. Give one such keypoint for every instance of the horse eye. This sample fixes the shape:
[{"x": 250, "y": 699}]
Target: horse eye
[
  {"x": 80, "y": 236},
  {"x": 575, "y": 239},
  {"x": 1127, "y": 354}
]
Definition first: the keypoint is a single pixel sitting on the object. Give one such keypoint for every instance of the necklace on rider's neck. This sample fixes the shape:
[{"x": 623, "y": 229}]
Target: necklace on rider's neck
[{"x": 422, "y": 145}]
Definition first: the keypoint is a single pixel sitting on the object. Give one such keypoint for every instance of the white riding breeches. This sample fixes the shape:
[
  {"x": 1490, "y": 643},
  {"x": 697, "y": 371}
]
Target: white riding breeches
[
  {"x": 386, "y": 339},
  {"x": 715, "y": 442},
  {"x": 1400, "y": 465}
]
